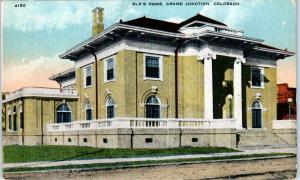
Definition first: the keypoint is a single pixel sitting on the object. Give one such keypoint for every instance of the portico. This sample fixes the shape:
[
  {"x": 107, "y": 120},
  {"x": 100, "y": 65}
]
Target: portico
[{"x": 208, "y": 56}]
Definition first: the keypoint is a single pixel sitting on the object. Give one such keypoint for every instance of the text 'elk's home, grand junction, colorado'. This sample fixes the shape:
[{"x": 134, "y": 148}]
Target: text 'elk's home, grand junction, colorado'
[{"x": 148, "y": 83}]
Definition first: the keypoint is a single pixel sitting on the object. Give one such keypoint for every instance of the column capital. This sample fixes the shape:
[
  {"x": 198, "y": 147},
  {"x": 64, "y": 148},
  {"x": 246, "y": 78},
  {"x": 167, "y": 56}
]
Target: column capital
[
  {"x": 206, "y": 54},
  {"x": 240, "y": 59}
]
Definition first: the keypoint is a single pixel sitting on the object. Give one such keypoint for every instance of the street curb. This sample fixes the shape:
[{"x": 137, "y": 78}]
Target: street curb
[{"x": 149, "y": 165}]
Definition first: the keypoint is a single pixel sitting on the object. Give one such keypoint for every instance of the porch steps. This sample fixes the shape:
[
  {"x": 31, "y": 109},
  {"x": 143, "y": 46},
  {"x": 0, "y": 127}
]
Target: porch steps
[{"x": 260, "y": 138}]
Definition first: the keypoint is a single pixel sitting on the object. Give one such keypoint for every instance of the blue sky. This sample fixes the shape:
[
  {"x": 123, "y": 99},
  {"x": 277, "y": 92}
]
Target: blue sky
[{"x": 34, "y": 35}]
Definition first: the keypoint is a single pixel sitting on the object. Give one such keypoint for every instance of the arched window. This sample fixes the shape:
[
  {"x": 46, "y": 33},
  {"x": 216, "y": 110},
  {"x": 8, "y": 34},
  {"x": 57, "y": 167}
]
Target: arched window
[
  {"x": 110, "y": 108},
  {"x": 63, "y": 113},
  {"x": 15, "y": 119},
  {"x": 152, "y": 107},
  {"x": 256, "y": 115},
  {"x": 88, "y": 111}
]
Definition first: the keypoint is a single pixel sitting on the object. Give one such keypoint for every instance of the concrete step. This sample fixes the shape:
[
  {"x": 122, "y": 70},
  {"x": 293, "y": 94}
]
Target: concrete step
[{"x": 255, "y": 138}]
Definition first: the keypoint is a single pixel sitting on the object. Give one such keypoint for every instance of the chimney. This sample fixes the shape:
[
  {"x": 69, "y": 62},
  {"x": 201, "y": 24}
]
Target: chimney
[{"x": 98, "y": 24}]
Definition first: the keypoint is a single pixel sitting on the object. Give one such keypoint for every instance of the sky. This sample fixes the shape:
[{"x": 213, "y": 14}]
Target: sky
[{"x": 35, "y": 35}]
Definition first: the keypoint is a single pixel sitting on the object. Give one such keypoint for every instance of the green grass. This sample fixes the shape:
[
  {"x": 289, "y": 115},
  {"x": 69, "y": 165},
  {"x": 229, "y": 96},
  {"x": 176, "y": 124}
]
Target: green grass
[
  {"x": 16, "y": 154},
  {"x": 109, "y": 166}
]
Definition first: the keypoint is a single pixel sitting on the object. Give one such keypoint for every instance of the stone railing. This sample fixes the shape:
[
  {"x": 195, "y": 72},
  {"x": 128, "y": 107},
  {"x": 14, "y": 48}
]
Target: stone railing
[
  {"x": 41, "y": 92},
  {"x": 142, "y": 123},
  {"x": 284, "y": 124},
  {"x": 229, "y": 31},
  {"x": 208, "y": 28}
]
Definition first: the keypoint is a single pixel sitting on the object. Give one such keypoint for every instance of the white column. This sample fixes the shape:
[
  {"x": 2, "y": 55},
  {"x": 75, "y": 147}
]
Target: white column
[
  {"x": 207, "y": 55},
  {"x": 237, "y": 91},
  {"x": 208, "y": 88}
]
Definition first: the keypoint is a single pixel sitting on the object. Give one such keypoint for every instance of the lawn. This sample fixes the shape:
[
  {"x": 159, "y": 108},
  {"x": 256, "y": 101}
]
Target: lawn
[{"x": 15, "y": 154}]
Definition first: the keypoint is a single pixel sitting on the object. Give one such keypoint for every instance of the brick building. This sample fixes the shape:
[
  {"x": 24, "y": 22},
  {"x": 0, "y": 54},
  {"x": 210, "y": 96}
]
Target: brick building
[
  {"x": 286, "y": 97},
  {"x": 148, "y": 83}
]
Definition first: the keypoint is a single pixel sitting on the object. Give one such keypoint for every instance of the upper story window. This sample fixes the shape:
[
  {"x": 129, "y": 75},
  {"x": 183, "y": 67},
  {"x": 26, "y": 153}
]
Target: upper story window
[
  {"x": 153, "y": 67},
  {"x": 257, "y": 77},
  {"x": 88, "y": 76},
  {"x": 109, "y": 69}
]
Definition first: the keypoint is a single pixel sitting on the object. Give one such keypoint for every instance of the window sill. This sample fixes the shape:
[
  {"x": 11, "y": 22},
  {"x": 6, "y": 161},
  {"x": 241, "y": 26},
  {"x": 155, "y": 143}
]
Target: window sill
[
  {"x": 258, "y": 129},
  {"x": 111, "y": 80},
  {"x": 153, "y": 79},
  {"x": 85, "y": 87},
  {"x": 257, "y": 87},
  {"x": 12, "y": 131}
]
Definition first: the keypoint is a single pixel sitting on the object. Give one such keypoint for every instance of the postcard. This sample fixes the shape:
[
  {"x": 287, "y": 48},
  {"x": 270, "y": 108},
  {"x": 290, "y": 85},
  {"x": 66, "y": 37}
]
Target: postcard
[{"x": 148, "y": 89}]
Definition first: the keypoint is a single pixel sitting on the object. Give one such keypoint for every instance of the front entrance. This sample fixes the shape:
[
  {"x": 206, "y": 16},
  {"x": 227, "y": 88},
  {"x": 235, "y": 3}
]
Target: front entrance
[{"x": 256, "y": 115}]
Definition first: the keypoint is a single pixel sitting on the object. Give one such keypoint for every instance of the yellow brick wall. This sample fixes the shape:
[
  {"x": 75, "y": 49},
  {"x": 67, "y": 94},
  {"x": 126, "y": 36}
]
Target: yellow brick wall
[
  {"x": 129, "y": 99},
  {"x": 114, "y": 89},
  {"x": 86, "y": 94},
  {"x": 268, "y": 96},
  {"x": 191, "y": 90}
]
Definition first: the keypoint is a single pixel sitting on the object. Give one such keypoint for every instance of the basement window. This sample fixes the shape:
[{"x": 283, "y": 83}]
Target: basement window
[
  {"x": 69, "y": 140},
  {"x": 85, "y": 140},
  {"x": 104, "y": 140},
  {"x": 194, "y": 139},
  {"x": 149, "y": 140},
  {"x": 55, "y": 139}
]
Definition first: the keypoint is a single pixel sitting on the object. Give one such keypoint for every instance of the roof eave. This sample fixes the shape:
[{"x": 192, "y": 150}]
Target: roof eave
[
  {"x": 115, "y": 26},
  {"x": 86, "y": 42},
  {"x": 281, "y": 52}
]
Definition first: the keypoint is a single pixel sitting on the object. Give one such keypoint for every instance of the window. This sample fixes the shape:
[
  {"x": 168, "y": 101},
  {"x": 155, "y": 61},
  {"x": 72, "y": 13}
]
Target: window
[
  {"x": 9, "y": 122},
  {"x": 256, "y": 115},
  {"x": 152, "y": 107},
  {"x": 15, "y": 119},
  {"x": 153, "y": 67},
  {"x": 21, "y": 120},
  {"x": 88, "y": 111},
  {"x": 109, "y": 69},
  {"x": 194, "y": 139},
  {"x": 104, "y": 140},
  {"x": 88, "y": 76},
  {"x": 63, "y": 114},
  {"x": 110, "y": 108},
  {"x": 85, "y": 140},
  {"x": 148, "y": 140},
  {"x": 257, "y": 77}
]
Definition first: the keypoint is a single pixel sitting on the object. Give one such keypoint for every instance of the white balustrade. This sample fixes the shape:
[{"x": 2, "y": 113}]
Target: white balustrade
[
  {"x": 42, "y": 92},
  {"x": 229, "y": 31},
  {"x": 143, "y": 123}
]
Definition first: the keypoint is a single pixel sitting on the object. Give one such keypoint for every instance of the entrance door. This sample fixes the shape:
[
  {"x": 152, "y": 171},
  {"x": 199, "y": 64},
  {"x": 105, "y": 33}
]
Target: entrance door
[{"x": 256, "y": 115}]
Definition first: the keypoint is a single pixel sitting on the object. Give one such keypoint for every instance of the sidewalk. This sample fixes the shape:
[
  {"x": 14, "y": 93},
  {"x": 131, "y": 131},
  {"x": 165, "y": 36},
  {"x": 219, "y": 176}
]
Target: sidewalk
[{"x": 117, "y": 160}]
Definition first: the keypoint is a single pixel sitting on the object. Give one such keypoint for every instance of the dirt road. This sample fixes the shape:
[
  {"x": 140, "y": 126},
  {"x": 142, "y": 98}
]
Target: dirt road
[{"x": 258, "y": 169}]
